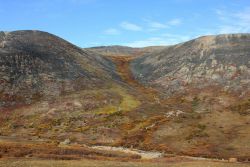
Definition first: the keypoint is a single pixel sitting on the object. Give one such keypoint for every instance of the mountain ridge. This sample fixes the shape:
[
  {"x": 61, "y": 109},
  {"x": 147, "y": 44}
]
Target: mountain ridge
[
  {"x": 117, "y": 50},
  {"x": 192, "y": 60}
]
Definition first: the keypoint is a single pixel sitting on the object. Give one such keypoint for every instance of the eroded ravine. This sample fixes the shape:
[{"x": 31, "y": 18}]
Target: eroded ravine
[{"x": 123, "y": 68}]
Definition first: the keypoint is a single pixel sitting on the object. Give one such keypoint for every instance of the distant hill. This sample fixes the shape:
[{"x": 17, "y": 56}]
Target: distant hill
[{"x": 125, "y": 51}]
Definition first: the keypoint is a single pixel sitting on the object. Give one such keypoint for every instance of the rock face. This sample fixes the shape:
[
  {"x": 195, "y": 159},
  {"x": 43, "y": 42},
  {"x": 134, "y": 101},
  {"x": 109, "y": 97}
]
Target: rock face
[
  {"x": 222, "y": 60},
  {"x": 36, "y": 64}
]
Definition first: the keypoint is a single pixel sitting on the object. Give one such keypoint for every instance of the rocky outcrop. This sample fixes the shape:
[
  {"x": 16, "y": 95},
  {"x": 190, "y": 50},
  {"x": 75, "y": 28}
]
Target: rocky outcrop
[{"x": 222, "y": 60}]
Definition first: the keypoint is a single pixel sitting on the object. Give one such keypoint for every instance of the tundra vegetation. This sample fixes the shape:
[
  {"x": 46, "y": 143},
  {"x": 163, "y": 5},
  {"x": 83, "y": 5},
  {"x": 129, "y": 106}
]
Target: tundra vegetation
[{"x": 187, "y": 100}]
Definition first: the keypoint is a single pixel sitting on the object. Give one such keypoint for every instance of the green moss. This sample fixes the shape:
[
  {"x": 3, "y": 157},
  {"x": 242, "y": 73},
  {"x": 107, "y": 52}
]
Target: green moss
[
  {"x": 106, "y": 110},
  {"x": 127, "y": 103}
]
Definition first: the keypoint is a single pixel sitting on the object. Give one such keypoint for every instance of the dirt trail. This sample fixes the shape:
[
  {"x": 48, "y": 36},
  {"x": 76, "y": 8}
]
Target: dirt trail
[
  {"x": 123, "y": 69},
  {"x": 17, "y": 143},
  {"x": 143, "y": 154},
  {"x": 152, "y": 154}
]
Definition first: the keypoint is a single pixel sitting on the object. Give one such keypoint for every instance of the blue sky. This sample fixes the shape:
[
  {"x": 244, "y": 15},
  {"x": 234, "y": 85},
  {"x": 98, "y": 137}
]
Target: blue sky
[{"x": 134, "y": 23}]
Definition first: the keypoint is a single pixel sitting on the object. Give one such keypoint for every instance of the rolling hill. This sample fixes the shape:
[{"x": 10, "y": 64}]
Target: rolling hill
[
  {"x": 207, "y": 77},
  {"x": 221, "y": 60},
  {"x": 38, "y": 65}
]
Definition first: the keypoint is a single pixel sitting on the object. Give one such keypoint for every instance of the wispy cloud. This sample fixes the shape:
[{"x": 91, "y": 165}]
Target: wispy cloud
[
  {"x": 164, "y": 39},
  {"x": 234, "y": 22},
  {"x": 156, "y": 25},
  {"x": 175, "y": 22},
  {"x": 149, "y": 26},
  {"x": 130, "y": 26},
  {"x": 112, "y": 31}
]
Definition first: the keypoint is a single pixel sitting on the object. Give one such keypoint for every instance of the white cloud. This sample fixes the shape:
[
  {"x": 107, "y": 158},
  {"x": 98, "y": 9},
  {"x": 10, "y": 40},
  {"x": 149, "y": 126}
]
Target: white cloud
[
  {"x": 154, "y": 25},
  {"x": 157, "y": 25},
  {"x": 130, "y": 26},
  {"x": 112, "y": 31},
  {"x": 234, "y": 22},
  {"x": 164, "y": 39},
  {"x": 174, "y": 22}
]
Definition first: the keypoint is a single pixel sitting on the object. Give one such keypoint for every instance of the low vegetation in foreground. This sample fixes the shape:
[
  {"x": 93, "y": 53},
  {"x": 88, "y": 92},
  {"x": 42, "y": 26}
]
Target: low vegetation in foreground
[{"x": 100, "y": 163}]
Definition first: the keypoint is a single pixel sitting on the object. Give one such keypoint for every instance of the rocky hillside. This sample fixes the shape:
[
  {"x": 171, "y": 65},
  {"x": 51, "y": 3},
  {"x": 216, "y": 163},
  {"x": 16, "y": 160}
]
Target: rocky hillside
[
  {"x": 205, "y": 85},
  {"x": 36, "y": 65},
  {"x": 125, "y": 51},
  {"x": 222, "y": 60}
]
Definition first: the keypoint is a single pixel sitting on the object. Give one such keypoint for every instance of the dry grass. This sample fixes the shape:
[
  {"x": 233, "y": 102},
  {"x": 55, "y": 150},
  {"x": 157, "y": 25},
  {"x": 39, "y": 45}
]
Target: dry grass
[
  {"x": 214, "y": 124},
  {"x": 50, "y": 151}
]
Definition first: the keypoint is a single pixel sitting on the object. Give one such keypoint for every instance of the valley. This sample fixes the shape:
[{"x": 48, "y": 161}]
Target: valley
[{"x": 91, "y": 105}]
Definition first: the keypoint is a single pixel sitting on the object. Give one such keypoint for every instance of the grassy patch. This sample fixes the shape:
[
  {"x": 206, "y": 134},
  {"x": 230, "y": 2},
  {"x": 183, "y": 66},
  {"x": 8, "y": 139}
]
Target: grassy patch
[
  {"x": 107, "y": 110},
  {"x": 127, "y": 103}
]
